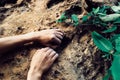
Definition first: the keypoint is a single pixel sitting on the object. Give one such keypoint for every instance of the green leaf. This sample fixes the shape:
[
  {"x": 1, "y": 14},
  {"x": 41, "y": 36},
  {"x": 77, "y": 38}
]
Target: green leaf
[
  {"x": 101, "y": 42},
  {"x": 117, "y": 21},
  {"x": 62, "y": 18},
  {"x": 95, "y": 11},
  {"x": 75, "y": 19},
  {"x": 119, "y": 3},
  {"x": 103, "y": 9},
  {"x": 108, "y": 18},
  {"x": 115, "y": 68},
  {"x": 85, "y": 18},
  {"x": 113, "y": 38},
  {"x": 103, "y": 24},
  {"x": 110, "y": 29},
  {"x": 101, "y": 14},
  {"x": 107, "y": 76},
  {"x": 117, "y": 44},
  {"x": 116, "y": 9}
]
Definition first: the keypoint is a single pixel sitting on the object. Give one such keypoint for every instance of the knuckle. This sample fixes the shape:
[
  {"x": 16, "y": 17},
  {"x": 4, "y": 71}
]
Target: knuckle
[
  {"x": 47, "y": 48},
  {"x": 52, "y": 36},
  {"x": 54, "y": 52},
  {"x": 60, "y": 41},
  {"x": 39, "y": 50},
  {"x": 46, "y": 56},
  {"x": 56, "y": 55}
]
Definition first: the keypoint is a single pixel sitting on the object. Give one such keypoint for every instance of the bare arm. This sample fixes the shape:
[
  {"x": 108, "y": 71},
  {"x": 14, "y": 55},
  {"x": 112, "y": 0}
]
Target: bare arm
[
  {"x": 44, "y": 37},
  {"x": 9, "y": 43},
  {"x": 41, "y": 62}
]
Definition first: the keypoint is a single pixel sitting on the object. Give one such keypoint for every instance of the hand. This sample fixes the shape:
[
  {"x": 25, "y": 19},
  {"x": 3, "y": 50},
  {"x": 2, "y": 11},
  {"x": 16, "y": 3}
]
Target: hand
[
  {"x": 41, "y": 61},
  {"x": 51, "y": 38}
]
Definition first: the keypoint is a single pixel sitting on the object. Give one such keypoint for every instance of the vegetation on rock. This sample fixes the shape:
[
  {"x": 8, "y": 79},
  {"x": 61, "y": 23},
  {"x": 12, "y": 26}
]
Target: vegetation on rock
[{"x": 107, "y": 19}]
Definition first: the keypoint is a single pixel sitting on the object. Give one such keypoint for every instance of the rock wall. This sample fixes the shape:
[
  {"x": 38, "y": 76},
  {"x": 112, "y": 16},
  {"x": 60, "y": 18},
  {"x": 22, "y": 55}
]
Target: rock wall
[{"x": 79, "y": 59}]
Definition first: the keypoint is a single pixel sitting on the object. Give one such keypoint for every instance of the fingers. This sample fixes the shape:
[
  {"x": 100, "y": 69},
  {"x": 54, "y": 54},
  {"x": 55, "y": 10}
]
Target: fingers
[
  {"x": 52, "y": 53},
  {"x": 42, "y": 50},
  {"x": 45, "y": 49},
  {"x": 51, "y": 38},
  {"x": 56, "y": 41},
  {"x": 54, "y": 57},
  {"x": 43, "y": 59},
  {"x": 49, "y": 51},
  {"x": 58, "y": 30},
  {"x": 59, "y": 35}
]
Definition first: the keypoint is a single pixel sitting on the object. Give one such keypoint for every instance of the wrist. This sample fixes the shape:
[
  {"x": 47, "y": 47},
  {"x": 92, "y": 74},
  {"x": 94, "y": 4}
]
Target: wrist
[
  {"x": 30, "y": 36},
  {"x": 34, "y": 36},
  {"x": 34, "y": 75}
]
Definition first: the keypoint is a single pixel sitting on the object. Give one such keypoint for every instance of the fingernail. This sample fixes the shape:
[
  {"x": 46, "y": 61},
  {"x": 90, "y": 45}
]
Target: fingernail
[
  {"x": 47, "y": 48},
  {"x": 57, "y": 54}
]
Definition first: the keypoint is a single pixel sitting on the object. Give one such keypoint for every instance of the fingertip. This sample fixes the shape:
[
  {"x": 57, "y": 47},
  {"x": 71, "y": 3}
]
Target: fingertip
[
  {"x": 57, "y": 54},
  {"x": 60, "y": 33},
  {"x": 54, "y": 46},
  {"x": 55, "y": 57},
  {"x": 59, "y": 30},
  {"x": 56, "y": 41},
  {"x": 59, "y": 36},
  {"x": 45, "y": 49},
  {"x": 48, "y": 48},
  {"x": 38, "y": 50}
]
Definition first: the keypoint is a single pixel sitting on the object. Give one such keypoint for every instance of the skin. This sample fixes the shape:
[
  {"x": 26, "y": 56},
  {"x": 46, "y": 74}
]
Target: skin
[
  {"x": 41, "y": 61},
  {"x": 45, "y": 37},
  {"x": 43, "y": 58}
]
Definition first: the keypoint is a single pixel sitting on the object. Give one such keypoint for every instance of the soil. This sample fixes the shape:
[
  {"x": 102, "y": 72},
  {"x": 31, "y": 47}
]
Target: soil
[{"x": 79, "y": 59}]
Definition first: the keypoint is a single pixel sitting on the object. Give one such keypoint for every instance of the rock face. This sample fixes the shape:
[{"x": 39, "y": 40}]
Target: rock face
[{"x": 79, "y": 59}]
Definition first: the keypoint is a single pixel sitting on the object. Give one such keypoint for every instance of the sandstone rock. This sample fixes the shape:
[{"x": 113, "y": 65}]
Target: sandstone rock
[{"x": 79, "y": 58}]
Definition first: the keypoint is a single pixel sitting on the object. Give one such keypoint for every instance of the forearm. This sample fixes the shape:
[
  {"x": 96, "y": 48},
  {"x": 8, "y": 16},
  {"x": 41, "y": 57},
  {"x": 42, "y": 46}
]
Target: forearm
[
  {"x": 13, "y": 41},
  {"x": 45, "y": 37},
  {"x": 32, "y": 75}
]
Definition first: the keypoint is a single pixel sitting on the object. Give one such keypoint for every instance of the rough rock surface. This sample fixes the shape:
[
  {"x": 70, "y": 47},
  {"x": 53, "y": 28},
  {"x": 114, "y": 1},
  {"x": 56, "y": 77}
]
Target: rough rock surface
[{"x": 79, "y": 59}]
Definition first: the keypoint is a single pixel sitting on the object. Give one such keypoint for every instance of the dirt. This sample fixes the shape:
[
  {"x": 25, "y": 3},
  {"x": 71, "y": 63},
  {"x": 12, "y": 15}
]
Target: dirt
[{"x": 79, "y": 59}]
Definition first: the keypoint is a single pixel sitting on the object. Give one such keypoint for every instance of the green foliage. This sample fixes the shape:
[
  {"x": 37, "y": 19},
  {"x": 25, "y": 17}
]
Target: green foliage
[
  {"x": 85, "y": 18},
  {"x": 95, "y": 11},
  {"x": 116, "y": 9},
  {"x": 62, "y": 18},
  {"x": 110, "y": 17},
  {"x": 106, "y": 46},
  {"x": 110, "y": 29},
  {"x": 107, "y": 19},
  {"x": 107, "y": 76},
  {"x": 119, "y": 3},
  {"x": 117, "y": 21},
  {"x": 117, "y": 44},
  {"x": 108, "y": 23},
  {"x": 115, "y": 68},
  {"x": 102, "y": 43},
  {"x": 100, "y": 18},
  {"x": 74, "y": 19}
]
